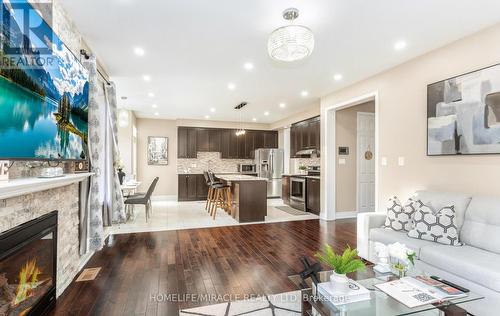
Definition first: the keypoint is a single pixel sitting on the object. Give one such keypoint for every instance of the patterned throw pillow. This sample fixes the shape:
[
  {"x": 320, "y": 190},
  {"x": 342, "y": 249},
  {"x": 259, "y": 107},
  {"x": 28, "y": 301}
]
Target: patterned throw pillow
[
  {"x": 400, "y": 217},
  {"x": 439, "y": 227}
]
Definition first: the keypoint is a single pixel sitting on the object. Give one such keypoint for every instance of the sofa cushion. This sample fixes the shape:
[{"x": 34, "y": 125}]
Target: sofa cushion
[
  {"x": 482, "y": 224},
  {"x": 473, "y": 264},
  {"x": 437, "y": 200},
  {"x": 439, "y": 227},
  {"x": 388, "y": 236},
  {"x": 400, "y": 217}
]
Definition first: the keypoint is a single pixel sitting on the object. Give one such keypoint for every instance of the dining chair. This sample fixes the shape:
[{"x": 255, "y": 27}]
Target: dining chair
[{"x": 143, "y": 199}]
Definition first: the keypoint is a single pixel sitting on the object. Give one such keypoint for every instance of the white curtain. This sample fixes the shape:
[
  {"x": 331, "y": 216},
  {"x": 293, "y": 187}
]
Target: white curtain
[
  {"x": 114, "y": 210},
  {"x": 97, "y": 132}
]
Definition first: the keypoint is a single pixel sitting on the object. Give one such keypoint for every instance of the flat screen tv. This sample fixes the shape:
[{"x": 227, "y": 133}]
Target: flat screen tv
[{"x": 44, "y": 90}]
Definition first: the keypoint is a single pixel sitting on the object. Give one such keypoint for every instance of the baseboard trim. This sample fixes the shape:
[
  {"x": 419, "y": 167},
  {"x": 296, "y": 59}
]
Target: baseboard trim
[
  {"x": 164, "y": 198},
  {"x": 347, "y": 214}
]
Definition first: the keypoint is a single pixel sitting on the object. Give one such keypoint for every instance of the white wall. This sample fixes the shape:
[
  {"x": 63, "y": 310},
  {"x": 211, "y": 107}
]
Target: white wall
[{"x": 402, "y": 95}]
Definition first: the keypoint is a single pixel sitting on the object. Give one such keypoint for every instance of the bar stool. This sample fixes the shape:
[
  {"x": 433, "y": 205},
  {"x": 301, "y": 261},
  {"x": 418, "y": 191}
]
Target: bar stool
[
  {"x": 211, "y": 191},
  {"x": 221, "y": 196}
]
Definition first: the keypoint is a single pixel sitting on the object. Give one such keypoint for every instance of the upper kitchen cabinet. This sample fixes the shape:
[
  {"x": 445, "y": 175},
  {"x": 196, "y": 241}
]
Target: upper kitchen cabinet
[
  {"x": 270, "y": 139},
  {"x": 202, "y": 139},
  {"x": 214, "y": 140},
  {"x": 229, "y": 144},
  {"x": 186, "y": 142},
  {"x": 305, "y": 135}
]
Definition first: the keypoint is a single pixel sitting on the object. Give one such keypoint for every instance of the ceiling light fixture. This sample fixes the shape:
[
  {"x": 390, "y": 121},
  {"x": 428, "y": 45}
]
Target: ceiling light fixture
[
  {"x": 207, "y": 116},
  {"x": 254, "y": 119},
  {"x": 239, "y": 108},
  {"x": 151, "y": 95},
  {"x": 231, "y": 86},
  {"x": 154, "y": 106},
  {"x": 304, "y": 93},
  {"x": 282, "y": 105},
  {"x": 212, "y": 110},
  {"x": 156, "y": 113},
  {"x": 337, "y": 77},
  {"x": 248, "y": 66},
  {"x": 400, "y": 45},
  {"x": 146, "y": 77},
  {"x": 291, "y": 42},
  {"x": 139, "y": 51},
  {"x": 266, "y": 113}
]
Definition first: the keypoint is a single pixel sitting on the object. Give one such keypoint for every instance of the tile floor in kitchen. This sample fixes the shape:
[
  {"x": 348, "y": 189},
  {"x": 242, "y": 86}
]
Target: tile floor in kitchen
[{"x": 172, "y": 215}]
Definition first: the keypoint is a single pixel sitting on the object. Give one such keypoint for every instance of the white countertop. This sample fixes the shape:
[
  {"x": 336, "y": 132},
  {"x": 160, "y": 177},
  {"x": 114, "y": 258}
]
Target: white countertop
[
  {"x": 23, "y": 186},
  {"x": 238, "y": 177}
]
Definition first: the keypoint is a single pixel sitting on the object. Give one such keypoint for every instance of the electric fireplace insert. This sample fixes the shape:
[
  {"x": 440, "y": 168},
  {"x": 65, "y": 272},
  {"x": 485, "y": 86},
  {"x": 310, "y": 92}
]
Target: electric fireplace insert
[{"x": 28, "y": 259}]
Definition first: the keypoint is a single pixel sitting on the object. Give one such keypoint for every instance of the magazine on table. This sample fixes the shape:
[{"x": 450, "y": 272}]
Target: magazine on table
[{"x": 420, "y": 290}]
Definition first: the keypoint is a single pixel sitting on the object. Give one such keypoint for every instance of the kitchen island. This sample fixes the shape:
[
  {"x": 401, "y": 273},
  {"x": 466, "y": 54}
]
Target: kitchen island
[{"x": 249, "y": 197}]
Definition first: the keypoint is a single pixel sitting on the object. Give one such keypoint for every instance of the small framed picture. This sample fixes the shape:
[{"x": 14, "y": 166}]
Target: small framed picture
[{"x": 157, "y": 150}]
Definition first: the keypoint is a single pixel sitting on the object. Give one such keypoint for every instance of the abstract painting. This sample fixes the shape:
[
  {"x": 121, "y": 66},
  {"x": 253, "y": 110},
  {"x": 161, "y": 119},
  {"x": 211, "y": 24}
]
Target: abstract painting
[
  {"x": 463, "y": 114},
  {"x": 157, "y": 150}
]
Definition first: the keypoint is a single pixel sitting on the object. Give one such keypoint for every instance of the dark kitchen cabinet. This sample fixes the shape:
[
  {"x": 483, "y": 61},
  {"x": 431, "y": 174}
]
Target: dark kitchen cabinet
[
  {"x": 285, "y": 190},
  {"x": 270, "y": 139},
  {"x": 214, "y": 140},
  {"x": 305, "y": 135},
  {"x": 191, "y": 187},
  {"x": 313, "y": 201},
  {"x": 186, "y": 142},
  {"x": 202, "y": 139},
  {"x": 191, "y": 140},
  {"x": 187, "y": 187}
]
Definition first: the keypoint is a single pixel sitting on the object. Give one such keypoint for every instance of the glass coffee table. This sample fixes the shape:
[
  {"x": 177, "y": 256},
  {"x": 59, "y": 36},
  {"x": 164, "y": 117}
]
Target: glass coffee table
[{"x": 380, "y": 304}]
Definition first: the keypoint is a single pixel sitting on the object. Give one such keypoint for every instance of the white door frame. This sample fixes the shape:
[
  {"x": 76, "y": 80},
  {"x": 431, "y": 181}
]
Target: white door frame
[
  {"x": 357, "y": 159},
  {"x": 328, "y": 155}
]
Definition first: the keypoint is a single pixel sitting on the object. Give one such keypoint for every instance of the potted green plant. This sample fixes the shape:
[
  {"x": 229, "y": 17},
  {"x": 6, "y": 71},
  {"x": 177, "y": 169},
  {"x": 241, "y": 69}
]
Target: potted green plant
[
  {"x": 303, "y": 169},
  {"x": 341, "y": 265}
]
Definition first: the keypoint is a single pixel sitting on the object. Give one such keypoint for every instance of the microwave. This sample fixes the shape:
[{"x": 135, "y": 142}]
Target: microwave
[{"x": 247, "y": 168}]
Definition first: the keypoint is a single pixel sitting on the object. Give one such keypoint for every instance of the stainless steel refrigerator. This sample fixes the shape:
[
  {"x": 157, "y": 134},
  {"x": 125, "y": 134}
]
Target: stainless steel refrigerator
[{"x": 270, "y": 165}]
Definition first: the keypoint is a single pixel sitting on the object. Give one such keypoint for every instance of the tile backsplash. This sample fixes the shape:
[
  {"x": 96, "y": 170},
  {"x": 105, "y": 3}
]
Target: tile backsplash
[
  {"x": 296, "y": 162},
  {"x": 209, "y": 160}
]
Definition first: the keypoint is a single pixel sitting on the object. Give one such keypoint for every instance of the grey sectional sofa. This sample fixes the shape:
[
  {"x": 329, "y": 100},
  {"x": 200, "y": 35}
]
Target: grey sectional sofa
[{"x": 475, "y": 265}]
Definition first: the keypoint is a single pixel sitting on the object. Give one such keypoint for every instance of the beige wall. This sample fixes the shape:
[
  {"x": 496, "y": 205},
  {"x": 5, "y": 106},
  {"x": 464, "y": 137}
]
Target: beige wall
[
  {"x": 167, "y": 185},
  {"x": 346, "y": 136},
  {"x": 402, "y": 108}
]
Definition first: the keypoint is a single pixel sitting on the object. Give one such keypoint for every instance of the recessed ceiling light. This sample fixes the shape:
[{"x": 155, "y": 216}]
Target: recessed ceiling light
[
  {"x": 124, "y": 98},
  {"x": 212, "y": 110},
  {"x": 146, "y": 77},
  {"x": 254, "y": 119},
  {"x": 207, "y": 116},
  {"x": 248, "y": 66},
  {"x": 151, "y": 95},
  {"x": 156, "y": 113},
  {"x": 337, "y": 77},
  {"x": 400, "y": 45},
  {"x": 304, "y": 93},
  {"x": 266, "y": 113},
  {"x": 282, "y": 105},
  {"x": 231, "y": 86},
  {"x": 139, "y": 51},
  {"x": 154, "y": 106}
]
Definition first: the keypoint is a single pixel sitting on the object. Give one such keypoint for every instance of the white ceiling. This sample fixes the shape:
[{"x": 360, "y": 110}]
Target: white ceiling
[{"x": 194, "y": 48}]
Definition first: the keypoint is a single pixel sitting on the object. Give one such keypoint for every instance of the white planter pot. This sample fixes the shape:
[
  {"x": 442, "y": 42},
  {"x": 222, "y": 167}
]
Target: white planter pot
[{"x": 340, "y": 283}]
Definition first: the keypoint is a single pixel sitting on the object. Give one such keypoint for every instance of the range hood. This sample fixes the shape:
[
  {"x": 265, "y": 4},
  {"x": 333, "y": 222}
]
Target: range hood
[{"x": 308, "y": 152}]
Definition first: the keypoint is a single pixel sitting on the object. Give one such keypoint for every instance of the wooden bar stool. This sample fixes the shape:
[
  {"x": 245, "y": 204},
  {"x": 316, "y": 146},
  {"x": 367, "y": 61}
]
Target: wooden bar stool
[
  {"x": 211, "y": 190},
  {"x": 220, "y": 197}
]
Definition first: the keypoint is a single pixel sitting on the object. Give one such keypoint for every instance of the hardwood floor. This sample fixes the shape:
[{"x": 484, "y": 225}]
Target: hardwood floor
[{"x": 140, "y": 270}]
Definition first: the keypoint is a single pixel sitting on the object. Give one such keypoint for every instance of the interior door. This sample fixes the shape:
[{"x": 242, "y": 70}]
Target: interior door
[{"x": 365, "y": 162}]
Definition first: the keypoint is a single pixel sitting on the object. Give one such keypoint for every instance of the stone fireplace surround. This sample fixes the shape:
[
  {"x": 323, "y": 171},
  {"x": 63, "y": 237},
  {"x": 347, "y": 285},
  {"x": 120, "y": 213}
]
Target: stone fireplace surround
[{"x": 25, "y": 199}]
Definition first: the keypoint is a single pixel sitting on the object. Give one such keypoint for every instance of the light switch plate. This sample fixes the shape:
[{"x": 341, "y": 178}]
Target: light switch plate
[
  {"x": 401, "y": 161},
  {"x": 383, "y": 161},
  {"x": 341, "y": 161}
]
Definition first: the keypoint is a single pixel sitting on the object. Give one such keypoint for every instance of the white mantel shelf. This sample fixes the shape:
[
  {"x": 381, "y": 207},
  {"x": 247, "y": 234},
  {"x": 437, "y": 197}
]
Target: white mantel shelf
[{"x": 17, "y": 187}]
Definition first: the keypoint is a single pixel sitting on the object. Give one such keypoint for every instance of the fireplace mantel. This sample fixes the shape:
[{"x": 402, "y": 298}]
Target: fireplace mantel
[{"x": 22, "y": 186}]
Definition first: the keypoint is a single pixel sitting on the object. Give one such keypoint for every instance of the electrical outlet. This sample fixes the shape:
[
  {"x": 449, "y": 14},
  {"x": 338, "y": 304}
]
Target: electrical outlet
[
  {"x": 341, "y": 161},
  {"x": 401, "y": 161},
  {"x": 383, "y": 161},
  {"x": 3, "y": 203}
]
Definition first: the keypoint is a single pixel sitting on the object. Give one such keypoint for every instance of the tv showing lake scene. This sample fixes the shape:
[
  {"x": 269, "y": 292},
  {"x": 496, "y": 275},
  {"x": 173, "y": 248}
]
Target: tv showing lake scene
[{"x": 44, "y": 90}]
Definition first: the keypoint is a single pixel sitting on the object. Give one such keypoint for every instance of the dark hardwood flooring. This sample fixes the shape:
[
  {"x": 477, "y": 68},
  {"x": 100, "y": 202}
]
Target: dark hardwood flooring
[{"x": 140, "y": 270}]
